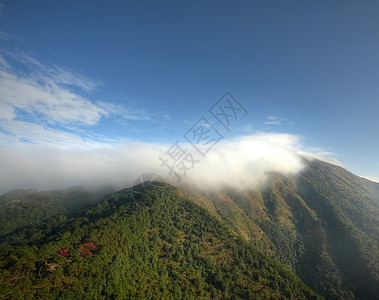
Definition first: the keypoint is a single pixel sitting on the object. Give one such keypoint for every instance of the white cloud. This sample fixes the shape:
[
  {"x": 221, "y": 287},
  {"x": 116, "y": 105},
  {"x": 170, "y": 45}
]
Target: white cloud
[
  {"x": 246, "y": 162},
  {"x": 7, "y": 112},
  {"x": 60, "y": 75},
  {"x": 249, "y": 128},
  {"x": 375, "y": 179},
  {"x": 125, "y": 113},
  {"x": 66, "y": 77},
  {"x": 317, "y": 153},
  {"x": 44, "y": 146},
  {"x": 242, "y": 162},
  {"x": 273, "y": 121},
  {"x": 43, "y": 97},
  {"x": 39, "y": 105},
  {"x": 3, "y": 62},
  {"x": 47, "y": 167},
  {"x": 10, "y": 36},
  {"x": 26, "y": 132}
]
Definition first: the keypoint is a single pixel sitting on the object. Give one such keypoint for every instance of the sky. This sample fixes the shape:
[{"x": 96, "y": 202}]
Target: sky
[{"x": 114, "y": 87}]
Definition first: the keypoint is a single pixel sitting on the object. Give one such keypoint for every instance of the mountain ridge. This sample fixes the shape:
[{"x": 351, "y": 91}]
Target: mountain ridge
[
  {"x": 321, "y": 224},
  {"x": 288, "y": 219},
  {"x": 150, "y": 244}
]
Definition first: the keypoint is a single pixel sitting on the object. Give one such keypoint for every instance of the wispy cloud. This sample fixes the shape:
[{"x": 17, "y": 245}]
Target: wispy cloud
[
  {"x": 50, "y": 104},
  {"x": 3, "y": 62},
  {"x": 125, "y": 113},
  {"x": 42, "y": 97},
  {"x": 58, "y": 74},
  {"x": 45, "y": 142},
  {"x": 21, "y": 132},
  {"x": 40, "y": 94},
  {"x": 375, "y": 179},
  {"x": 5, "y": 36},
  {"x": 248, "y": 128},
  {"x": 317, "y": 153},
  {"x": 273, "y": 121}
]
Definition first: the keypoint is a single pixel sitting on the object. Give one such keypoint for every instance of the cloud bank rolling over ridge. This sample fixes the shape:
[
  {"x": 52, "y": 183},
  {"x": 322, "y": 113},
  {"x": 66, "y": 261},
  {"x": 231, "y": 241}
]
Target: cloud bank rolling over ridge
[
  {"x": 45, "y": 113},
  {"x": 242, "y": 162}
]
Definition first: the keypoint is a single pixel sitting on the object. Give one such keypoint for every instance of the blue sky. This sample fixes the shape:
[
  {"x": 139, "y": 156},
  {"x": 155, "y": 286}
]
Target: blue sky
[{"x": 88, "y": 74}]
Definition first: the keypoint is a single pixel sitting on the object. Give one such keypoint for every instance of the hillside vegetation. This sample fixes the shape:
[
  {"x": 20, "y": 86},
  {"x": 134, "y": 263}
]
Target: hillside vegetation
[
  {"x": 323, "y": 224},
  {"x": 147, "y": 243},
  {"x": 23, "y": 208},
  {"x": 160, "y": 242}
]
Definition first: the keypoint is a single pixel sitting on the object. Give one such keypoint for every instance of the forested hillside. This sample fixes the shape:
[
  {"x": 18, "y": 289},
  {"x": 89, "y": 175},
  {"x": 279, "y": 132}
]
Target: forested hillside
[
  {"x": 23, "y": 208},
  {"x": 147, "y": 243},
  {"x": 159, "y": 242},
  {"x": 323, "y": 224}
]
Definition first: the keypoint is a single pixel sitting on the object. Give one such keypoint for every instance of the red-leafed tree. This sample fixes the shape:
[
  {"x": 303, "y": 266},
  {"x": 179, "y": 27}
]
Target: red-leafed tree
[
  {"x": 63, "y": 253},
  {"x": 87, "y": 249}
]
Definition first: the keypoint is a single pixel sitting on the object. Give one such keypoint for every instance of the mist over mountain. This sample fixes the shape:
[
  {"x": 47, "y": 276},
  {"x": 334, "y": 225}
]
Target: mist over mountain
[
  {"x": 189, "y": 150},
  {"x": 242, "y": 162},
  {"x": 147, "y": 242},
  {"x": 21, "y": 208},
  {"x": 320, "y": 224}
]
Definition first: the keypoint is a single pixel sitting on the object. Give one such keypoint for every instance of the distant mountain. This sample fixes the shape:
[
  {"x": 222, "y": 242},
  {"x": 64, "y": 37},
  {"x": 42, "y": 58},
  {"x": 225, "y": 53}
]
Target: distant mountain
[
  {"x": 323, "y": 224},
  {"x": 23, "y": 208},
  {"x": 144, "y": 243}
]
